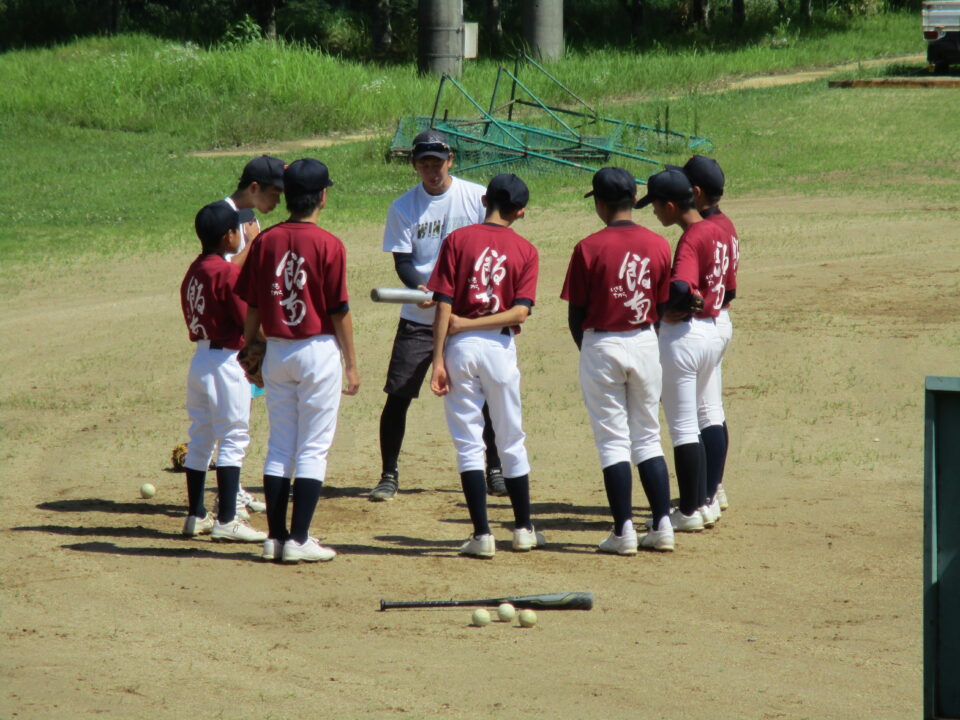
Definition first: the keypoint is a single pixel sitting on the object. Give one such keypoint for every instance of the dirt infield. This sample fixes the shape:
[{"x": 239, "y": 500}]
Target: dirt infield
[{"x": 804, "y": 601}]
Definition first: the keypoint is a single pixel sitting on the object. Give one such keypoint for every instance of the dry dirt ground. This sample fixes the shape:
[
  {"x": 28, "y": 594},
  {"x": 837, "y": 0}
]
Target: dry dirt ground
[{"x": 804, "y": 601}]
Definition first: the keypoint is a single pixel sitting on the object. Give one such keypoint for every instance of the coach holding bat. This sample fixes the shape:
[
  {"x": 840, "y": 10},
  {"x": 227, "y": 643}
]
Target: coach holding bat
[{"x": 417, "y": 223}]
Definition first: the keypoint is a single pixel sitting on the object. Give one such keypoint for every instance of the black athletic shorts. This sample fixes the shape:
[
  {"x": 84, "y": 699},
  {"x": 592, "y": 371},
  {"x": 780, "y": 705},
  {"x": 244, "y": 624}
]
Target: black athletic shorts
[{"x": 410, "y": 359}]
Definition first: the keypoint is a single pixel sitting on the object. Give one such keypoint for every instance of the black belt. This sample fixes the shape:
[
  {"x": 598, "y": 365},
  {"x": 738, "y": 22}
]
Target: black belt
[
  {"x": 644, "y": 326},
  {"x": 216, "y": 346},
  {"x": 505, "y": 331}
]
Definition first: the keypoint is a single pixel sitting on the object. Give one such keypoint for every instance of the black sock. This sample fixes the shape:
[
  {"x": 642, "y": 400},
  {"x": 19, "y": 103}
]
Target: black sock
[
  {"x": 617, "y": 481},
  {"x": 715, "y": 447},
  {"x": 702, "y": 476},
  {"x": 228, "y": 484},
  {"x": 196, "y": 479},
  {"x": 518, "y": 488},
  {"x": 656, "y": 484},
  {"x": 490, "y": 440},
  {"x": 306, "y": 493},
  {"x": 726, "y": 446},
  {"x": 276, "y": 491},
  {"x": 686, "y": 460},
  {"x": 474, "y": 486},
  {"x": 393, "y": 424}
]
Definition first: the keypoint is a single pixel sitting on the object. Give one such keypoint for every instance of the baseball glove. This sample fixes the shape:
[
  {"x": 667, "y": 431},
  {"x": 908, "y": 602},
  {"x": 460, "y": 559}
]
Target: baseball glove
[
  {"x": 251, "y": 360},
  {"x": 690, "y": 306},
  {"x": 177, "y": 457}
]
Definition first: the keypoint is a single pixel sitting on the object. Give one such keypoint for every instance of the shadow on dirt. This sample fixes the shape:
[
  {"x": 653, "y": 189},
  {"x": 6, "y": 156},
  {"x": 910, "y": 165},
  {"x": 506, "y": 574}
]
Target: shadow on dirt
[{"x": 110, "y": 506}]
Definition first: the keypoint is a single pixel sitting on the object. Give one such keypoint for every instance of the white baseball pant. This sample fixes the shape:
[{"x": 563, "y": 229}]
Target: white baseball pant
[
  {"x": 710, "y": 412},
  {"x": 482, "y": 367},
  {"x": 621, "y": 381},
  {"x": 218, "y": 403},
  {"x": 689, "y": 352},
  {"x": 302, "y": 379}
]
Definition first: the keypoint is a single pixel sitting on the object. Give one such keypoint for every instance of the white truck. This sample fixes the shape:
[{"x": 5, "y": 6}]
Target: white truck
[{"x": 941, "y": 30}]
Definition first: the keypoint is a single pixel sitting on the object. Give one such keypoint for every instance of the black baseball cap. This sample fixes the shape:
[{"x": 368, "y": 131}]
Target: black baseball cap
[
  {"x": 266, "y": 170},
  {"x": 214, "y": 221},
  {"x": 306, "y": 176},
  {"x": 246, "y": 215},
  {"x": 703, "y": 172},
  {"x": 431, "y": 143},
  {"x": 670, "y": 185},
  {"x": 508, "y": 189},
  {"x": 613, "y": 184}
]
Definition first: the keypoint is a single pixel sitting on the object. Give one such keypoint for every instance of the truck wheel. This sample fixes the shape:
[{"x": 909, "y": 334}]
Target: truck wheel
[{"x": 941, "y": 68}]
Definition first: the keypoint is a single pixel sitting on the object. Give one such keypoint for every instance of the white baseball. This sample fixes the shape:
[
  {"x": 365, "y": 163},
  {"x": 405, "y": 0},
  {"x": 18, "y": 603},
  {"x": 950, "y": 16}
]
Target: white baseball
[
  {"x": 528, "y": 618},
  {"x": 147, "y": 490},
  {"x": 480, "y": 617},
  {"x": 506, "y": 612}
]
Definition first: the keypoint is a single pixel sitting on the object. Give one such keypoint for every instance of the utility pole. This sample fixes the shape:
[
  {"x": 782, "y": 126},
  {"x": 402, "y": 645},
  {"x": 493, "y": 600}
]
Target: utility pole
[
  {"x": 440, "y": 46},
  {"x": 543, "y": 28}
]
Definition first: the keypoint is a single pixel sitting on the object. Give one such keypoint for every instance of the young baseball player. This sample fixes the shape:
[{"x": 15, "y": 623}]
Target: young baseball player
[
  {"x": 218, "y": 395},
  {"x": 485, "y": 284},
  {"x": 294, "y": 281},
  {"x": 260, "y": 186},
  {"x": 616, "y": 280},
  {"x": 689, "y": 341},
  {"x": 417, "y": 223},
  {"x": 708, "y": 181}
]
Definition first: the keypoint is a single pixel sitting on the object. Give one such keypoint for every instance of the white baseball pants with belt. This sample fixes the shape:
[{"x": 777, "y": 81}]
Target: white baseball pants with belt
[
  {"x": 218, "y": 403},
  {"x": 689, "y": 352},
  {"x": 302, "y": 379},
  {"x": 710, "y": 412},
  {"x": 621, "y": 381},
  {"x": 482, "y": 367}
]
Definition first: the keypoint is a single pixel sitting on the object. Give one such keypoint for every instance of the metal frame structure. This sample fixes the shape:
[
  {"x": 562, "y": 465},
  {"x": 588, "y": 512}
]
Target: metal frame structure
[{"x": 563, "y": 136}]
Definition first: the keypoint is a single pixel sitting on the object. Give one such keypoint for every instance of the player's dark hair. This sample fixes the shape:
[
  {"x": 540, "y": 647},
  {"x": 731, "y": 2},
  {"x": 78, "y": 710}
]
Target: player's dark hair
[
  {"x": 501, "y": 207},
  {"x": 686, "y": 204},
  {"x": 210, "y": 246},
  {"x": 621, "y": 205},
  {"x": 300, "y": 205},
  {"x": 713, "y": 199}
]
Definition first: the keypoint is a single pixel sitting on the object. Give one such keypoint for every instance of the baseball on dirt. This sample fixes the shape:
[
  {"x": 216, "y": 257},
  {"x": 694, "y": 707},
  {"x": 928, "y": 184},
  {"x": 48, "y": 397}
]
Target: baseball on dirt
[
  {"x": 147, "y": 490},
  {"x": 480, "y": 617},
  {"x": 528, "y": 618},
  {"x": 506, "y": 612}
]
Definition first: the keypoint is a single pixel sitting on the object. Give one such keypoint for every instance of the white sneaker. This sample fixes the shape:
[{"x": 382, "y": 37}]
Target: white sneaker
[
  {"x": 482, "y": 546},
  {"x": 710, "y": 513},
  {"x": 722, "y": 497},
  {"x": 659, "y": 539},
  {"x": 310, "y": 551},
  {"x": 236, "y": 531},
  {"x": 524, "y": 539},
  {"x": 272, "y": 550},
  {"x": 242, "y": 513},
  {"x": 194, "y": 525},
  {"x": 625, "y": 544},
  {"x": 686, "y": 523},
  {"x": 249, "y": 502}
]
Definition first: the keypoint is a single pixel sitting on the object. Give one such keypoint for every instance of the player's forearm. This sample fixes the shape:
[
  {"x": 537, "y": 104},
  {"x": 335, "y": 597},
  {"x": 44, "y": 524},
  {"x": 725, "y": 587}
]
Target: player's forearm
[
  {"x": 343, "y": 329},
  {"x": 440, "y": 323},
  {"x": 575, "y": 317},
  {"x": 251, "y": 325},
  {"x": 508, "y": 318}
]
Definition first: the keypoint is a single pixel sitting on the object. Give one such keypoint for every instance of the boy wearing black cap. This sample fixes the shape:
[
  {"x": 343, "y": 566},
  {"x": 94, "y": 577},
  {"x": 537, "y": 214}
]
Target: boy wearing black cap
[
  {"x": 708, "y": 182},
  {"x": 689, "y": 341},
  {"x": 616, "y": 281},
  {"x": 260, "y": 186},
  {"x": 218, "y": 396},
  {"x": 294, "y": 281},
  {"x": 417, "y": 223},
  {"x": 484, "y": 284}
]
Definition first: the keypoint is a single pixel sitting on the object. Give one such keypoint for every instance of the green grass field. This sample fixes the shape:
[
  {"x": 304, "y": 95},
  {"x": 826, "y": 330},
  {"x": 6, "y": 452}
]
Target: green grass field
[{"x": 96, "y": 133}]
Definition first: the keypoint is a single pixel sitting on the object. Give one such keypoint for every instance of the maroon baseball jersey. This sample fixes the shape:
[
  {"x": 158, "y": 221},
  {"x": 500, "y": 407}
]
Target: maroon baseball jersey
[
  {"x": 211, "y": 308},
  {"x": 732, "y": 259},
  {"x": 296, "y": 275},
  {"x": 698, "y": 261},
  {"x": 485, "y": 269},
  {"x": 619, "y": 275}
]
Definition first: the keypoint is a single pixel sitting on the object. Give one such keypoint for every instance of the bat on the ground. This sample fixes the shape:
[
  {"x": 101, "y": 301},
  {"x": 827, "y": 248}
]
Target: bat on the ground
[
  {"x": 399, "y": 295},
  {"x": 547, "y": 601}
]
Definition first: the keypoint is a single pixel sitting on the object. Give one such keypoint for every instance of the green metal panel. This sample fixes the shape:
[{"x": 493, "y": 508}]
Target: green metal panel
[{"x": 941, "y": 546}]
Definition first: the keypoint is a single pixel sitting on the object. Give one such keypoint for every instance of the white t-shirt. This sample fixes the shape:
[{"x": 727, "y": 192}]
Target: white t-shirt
[{"x": 417, "y": 223}]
